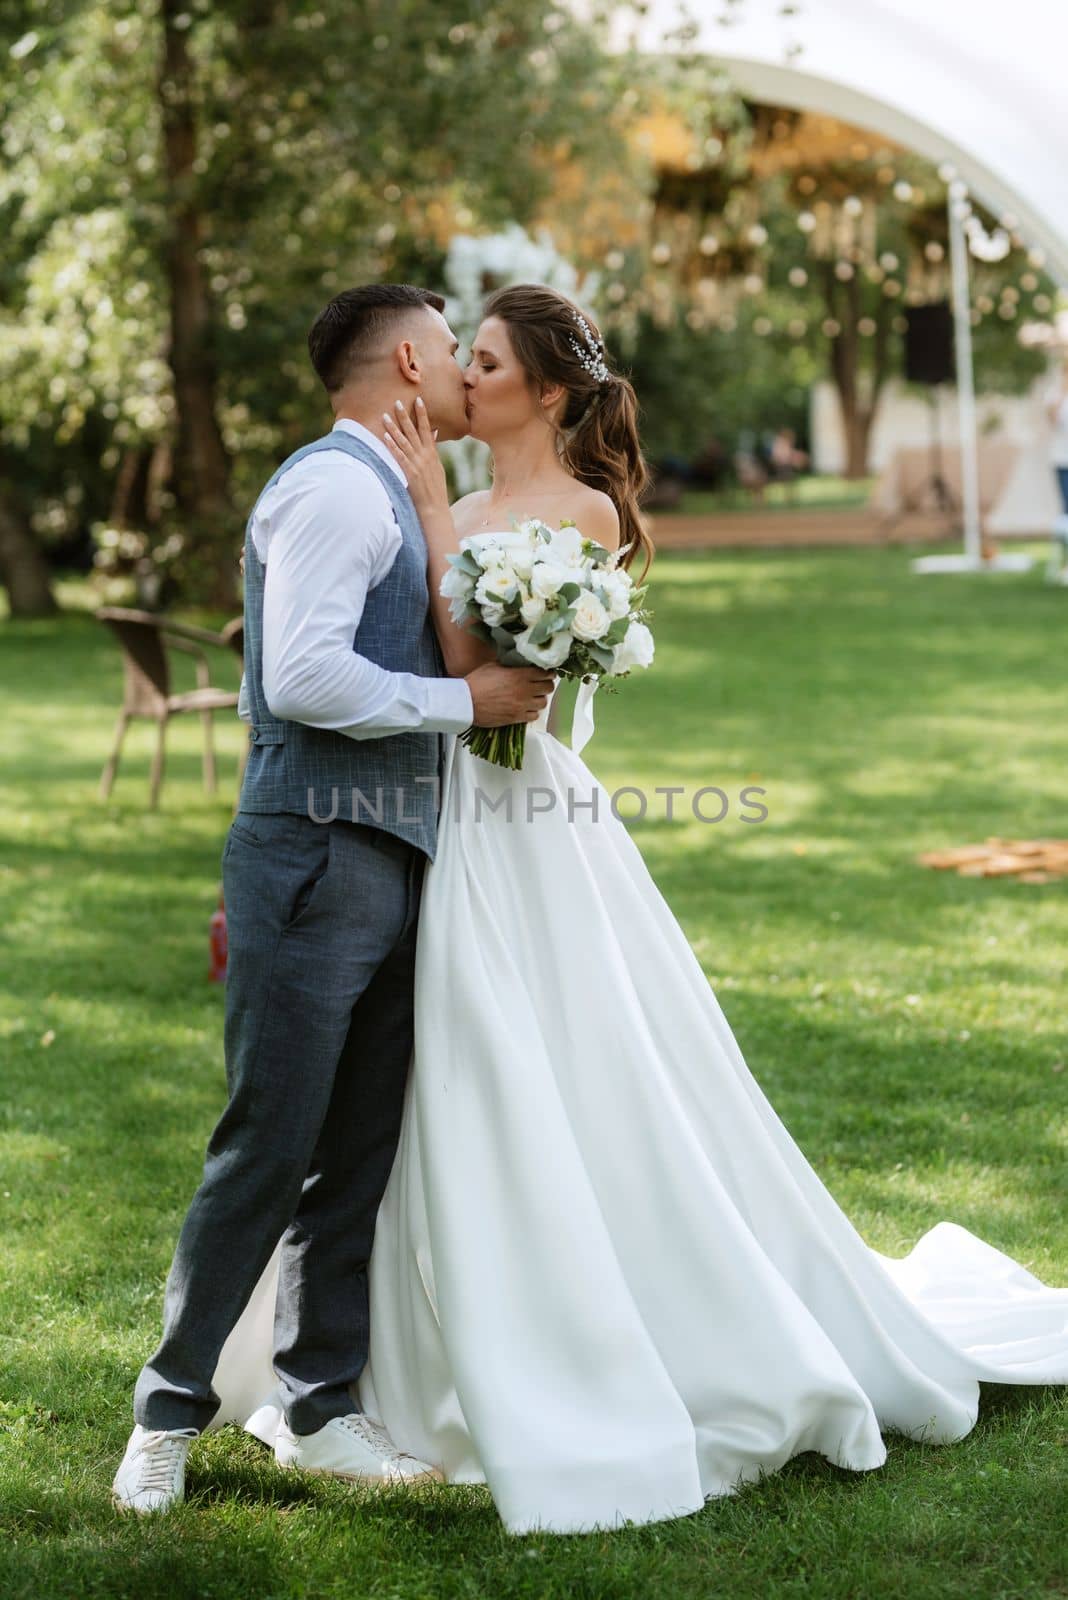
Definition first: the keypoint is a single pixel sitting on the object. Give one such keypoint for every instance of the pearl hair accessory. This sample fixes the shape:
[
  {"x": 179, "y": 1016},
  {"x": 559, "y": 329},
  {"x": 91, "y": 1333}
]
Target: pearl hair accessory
[{"x": 592, "y": 358}]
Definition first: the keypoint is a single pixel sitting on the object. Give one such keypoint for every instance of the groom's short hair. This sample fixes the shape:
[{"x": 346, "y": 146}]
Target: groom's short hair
[{"x": 353, "y": 325}]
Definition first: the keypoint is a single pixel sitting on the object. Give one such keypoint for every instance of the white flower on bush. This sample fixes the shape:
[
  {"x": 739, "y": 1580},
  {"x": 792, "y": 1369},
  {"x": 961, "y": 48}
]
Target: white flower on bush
[
  {"x": 634, "y": 650},
  {"x": 553, "y": 653},
  {"x": 590, "y": 619},
  {"x": 532, "y": 610}
]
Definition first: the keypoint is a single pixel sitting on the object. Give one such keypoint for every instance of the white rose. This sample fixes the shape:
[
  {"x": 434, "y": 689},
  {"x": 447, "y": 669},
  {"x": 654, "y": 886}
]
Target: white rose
[
  {"x": 590, "y": 619},
  {"x": 532, "y": 610},
  {"x": 552, "y": 653},
  {"x": 634, "y": 650},
  {"x": 547, "y": 579}
]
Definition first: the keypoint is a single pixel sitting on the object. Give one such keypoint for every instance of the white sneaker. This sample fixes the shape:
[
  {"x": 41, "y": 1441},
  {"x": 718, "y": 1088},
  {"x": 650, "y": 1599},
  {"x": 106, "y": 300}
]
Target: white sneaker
[
  {"x": 151, "y": 1476},
  {"x": 350, "y": 1447}
]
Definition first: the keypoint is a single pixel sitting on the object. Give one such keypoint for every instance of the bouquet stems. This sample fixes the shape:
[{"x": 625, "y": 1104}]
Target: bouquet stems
[{"x": 503, "y": 746}]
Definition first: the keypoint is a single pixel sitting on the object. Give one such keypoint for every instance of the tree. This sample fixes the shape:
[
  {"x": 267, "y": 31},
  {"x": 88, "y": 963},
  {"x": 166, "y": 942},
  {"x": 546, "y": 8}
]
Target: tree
[
  {"x": 818, "y": 237},
  {"x": 186, "y": 185}
]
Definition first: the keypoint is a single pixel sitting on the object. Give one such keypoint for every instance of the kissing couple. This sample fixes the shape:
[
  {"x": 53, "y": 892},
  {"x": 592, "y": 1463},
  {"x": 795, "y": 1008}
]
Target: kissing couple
[{"x": 495, "y": 1198}]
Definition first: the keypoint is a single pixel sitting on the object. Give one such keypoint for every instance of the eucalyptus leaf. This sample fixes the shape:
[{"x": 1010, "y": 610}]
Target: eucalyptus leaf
[{"x": 503, "y": 638}]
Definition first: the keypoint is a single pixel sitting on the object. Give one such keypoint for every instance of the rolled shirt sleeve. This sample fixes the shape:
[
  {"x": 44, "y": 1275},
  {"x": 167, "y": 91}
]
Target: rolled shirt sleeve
[{"x": 329, "y": 538}]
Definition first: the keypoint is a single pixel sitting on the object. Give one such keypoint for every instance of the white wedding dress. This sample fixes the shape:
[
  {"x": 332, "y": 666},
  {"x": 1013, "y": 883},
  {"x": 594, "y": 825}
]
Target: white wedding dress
[{"x": 605, "y": 1280}]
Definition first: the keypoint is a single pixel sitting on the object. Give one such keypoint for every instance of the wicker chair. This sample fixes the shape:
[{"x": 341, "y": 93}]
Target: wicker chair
[{"x": 144, "y": 639}]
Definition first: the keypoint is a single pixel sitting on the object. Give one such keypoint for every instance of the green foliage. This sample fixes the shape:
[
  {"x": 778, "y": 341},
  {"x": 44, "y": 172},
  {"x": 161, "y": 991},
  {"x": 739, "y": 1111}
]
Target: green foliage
[
  {"x": 697, "y": 384},
  {"x": 336, "y": 142}
]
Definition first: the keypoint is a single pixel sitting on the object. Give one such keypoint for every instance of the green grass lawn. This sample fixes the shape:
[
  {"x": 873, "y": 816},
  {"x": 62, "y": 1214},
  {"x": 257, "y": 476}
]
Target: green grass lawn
[{"x": 908, "y": 1025}]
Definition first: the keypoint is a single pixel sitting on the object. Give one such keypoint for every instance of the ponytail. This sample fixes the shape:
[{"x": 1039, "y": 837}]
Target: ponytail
[{"x": 604, "y": 452}]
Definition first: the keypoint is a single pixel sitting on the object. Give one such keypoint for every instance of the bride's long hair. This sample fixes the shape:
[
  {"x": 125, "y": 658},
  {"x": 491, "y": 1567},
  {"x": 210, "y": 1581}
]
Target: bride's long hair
[{"x": 555, "y": 342}]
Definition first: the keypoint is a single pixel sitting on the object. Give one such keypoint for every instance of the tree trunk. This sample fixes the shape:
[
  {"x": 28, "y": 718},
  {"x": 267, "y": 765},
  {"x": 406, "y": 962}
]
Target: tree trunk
[
  {"x": 858, "y": 425},
  {"x": 23, "y": 569},
  {"x": 845, "y": 305},
  {"x": 201, "y": 462}
]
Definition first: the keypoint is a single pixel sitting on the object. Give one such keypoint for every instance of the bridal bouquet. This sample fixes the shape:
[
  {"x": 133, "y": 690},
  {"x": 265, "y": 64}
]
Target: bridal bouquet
[{"x": 548, "y": 598}]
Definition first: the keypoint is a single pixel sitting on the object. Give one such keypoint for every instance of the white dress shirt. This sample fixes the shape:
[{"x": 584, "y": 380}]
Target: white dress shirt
[{"x": 326, "y": 535}]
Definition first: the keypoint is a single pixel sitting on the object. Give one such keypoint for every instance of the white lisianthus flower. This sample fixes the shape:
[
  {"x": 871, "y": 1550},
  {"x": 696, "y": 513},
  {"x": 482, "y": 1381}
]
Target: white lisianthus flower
[
  {"x": 591, "y": 617},
  {"x": 493, "y": 614},
  {"x": 456, "y": 585},
  {"x": 565, "y": 547},
  {"x": 495, "y": 585},
  {"x": 547, "y": 579},
  {"x": 615, "y": 590},
  {"x": 553, "y": 653},
  {"x": 532, "y": 610},
  {"x": 634, "y": 650}
]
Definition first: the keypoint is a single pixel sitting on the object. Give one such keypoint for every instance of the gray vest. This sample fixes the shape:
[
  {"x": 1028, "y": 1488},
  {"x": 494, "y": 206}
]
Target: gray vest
[{"x": 392, "y": 782}]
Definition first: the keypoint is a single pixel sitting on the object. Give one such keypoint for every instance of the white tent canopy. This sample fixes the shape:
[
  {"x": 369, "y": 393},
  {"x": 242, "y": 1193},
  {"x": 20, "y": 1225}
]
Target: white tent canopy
[{"x": 976, "y": 83}]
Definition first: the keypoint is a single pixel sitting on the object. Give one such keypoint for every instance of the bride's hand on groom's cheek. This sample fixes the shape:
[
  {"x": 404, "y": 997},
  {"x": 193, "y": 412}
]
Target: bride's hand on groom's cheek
[{"x": 413, "y": 443}]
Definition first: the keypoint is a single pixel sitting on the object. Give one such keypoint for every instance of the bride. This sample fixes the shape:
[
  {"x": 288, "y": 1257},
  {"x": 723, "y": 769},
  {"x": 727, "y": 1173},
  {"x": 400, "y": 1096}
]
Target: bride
[{"x": 605, "y": 1280}]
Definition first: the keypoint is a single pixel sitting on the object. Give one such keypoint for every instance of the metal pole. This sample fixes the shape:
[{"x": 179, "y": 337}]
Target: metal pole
[{"x": 962, "y": 323}]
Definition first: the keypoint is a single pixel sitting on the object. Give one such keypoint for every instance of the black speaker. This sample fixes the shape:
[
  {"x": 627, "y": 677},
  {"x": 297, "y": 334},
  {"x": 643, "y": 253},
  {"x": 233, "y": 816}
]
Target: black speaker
[{"x": 929, "y": 343}]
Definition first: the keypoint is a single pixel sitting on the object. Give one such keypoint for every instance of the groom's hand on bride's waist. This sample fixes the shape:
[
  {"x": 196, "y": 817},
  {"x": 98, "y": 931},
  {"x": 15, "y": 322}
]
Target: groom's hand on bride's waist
[{"x": 503, "y": 695}]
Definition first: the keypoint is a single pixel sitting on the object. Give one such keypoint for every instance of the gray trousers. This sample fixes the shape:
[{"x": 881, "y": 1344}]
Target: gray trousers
[{"x": 321, "y": 919}]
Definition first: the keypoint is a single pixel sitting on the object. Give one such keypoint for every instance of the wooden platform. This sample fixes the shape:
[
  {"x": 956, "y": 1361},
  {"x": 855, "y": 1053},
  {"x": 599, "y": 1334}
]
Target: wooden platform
[
  {"x": 801, "y": 529},
  {"x": 1024, "y": 860}
]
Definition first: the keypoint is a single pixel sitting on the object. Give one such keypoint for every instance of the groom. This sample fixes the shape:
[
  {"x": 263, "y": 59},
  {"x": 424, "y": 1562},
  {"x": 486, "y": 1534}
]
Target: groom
[{"x": 322, "y": 868}]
